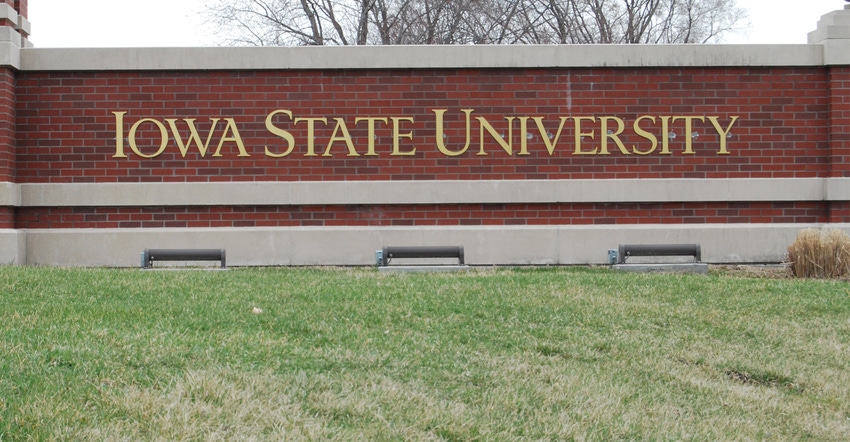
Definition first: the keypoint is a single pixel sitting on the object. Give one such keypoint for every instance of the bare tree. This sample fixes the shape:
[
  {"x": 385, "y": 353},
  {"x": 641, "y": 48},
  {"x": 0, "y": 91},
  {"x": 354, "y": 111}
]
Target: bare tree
[
  {"x": 387, "y": 22},
  {"x": 292, "y": 22},
  {"x": 642, "y": 21},
  {"x": 702, "y": 21}
]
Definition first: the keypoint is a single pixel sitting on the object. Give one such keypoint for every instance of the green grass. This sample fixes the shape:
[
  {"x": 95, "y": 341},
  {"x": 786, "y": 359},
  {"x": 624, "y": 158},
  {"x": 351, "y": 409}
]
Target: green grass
[{"x": 354, "y": 354}]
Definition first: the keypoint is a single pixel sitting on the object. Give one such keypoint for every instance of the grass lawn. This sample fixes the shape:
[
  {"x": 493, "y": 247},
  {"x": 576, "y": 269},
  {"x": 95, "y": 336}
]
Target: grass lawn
[{"x": 354, "y": 354}]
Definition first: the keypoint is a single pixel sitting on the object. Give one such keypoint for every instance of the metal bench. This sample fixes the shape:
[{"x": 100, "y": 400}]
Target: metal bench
[
  {"x": 388, "y": 253},
  {"x": 628, "y": 250},
  {"x": 151, "y": 255}
]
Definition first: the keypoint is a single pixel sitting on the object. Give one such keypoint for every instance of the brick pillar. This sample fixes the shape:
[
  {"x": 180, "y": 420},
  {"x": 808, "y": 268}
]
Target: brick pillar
[
  {"x": 11, "y": 40},
  {"x": 7, "y": 125},
  {"x": 21, "y": 7},
  {"x": 23, "y": 22},
  {"x": 839, "y": 119},
  {"x": 839, "y": 135},
  {"x": 833, "y": 34},
  {"x": 13, "y": 15}
]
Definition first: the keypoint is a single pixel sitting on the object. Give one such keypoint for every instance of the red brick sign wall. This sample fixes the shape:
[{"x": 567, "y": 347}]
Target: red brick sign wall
[
  {"x": 781, "y": 127},
  {"x": 455, "y": 124}
]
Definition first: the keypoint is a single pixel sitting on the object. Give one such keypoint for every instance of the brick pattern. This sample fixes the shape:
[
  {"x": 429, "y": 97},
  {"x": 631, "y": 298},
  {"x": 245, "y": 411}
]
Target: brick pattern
[
  {"x": 421, "y": 215},
  {"x": 19, "y": 5},
  {"x": 7, "y": 218},
  {"x": 66, "y": 131},
  {"x": 7, "y": 125},
  {"x": 839, "y": 117},
  {"x": 839, "y": 212},
  {"x": 793, "y": 122}
]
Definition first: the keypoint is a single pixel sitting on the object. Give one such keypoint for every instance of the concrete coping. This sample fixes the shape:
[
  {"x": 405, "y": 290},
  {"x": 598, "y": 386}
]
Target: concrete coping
[{"x": 419, "y": 57}]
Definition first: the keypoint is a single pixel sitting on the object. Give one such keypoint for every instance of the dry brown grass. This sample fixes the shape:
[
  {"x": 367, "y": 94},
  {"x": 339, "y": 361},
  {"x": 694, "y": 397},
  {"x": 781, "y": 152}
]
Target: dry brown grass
[{"x": 820, "y": 254}]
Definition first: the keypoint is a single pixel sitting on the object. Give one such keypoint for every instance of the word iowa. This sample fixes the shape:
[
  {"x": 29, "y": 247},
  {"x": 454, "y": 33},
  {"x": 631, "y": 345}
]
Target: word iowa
[{"x": 512, "y": 135}]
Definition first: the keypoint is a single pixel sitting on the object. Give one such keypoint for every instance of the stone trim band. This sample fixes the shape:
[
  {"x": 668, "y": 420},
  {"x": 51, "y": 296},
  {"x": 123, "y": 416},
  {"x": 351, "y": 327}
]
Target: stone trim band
[{"x": 423, "y": 192}]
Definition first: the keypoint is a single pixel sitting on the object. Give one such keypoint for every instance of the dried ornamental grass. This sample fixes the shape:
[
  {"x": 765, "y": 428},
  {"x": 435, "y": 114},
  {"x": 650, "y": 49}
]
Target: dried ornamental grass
[{"x": 820, "y": 254}]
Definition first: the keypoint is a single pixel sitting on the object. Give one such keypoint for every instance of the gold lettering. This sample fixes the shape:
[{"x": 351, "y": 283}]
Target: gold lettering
[
  {"x": 507, "y": 146},
  {"x": 612, "y": 135},
  {"x": 231, "y": 127},
  {"x": 665, "y": 136},
  {"x": 119, "y": 135},
  {"x": 550, "y": 144},
  {"x": 580, "y": 135},
  {"x": 311, "y": 134},
  {"x": 647, "y": 135},
  {"x": 187, "y": 137},
  {"x": 523, "y": 136},
  {"x": 724, "y": 133},
  {"x": 341, "y": 127},
  {"x": 162, "y": 130},
  {"x": 689, "y": 131},
  {"x": 440, "y": 133},
  {"x": 193, "y": 135},
  {"x": 397, "y": 135},
  {"x": 274, "y": 130},
  {"x": 370, "y": 126}
]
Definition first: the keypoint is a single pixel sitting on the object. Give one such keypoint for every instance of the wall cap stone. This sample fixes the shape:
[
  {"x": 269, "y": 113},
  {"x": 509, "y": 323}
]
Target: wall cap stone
[
  {"x": 833, "y": 32},
  {"x": 418, "y": 57}
]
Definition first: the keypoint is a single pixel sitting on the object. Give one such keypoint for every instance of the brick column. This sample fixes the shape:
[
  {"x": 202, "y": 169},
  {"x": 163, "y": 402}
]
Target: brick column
[
  {"x": 14, "y": 29},
  {"x": 839, "y": 134},
  {"x": 839, "y": 120},
  {"x": 23, "y": 23},
  {"x": 11, "y": 40},
  {"x": 13, "y": 15},
  {"x": 7, "y": 125},
  {"x": 21, "y": 7},
  {"x": 833, "y": 33}
]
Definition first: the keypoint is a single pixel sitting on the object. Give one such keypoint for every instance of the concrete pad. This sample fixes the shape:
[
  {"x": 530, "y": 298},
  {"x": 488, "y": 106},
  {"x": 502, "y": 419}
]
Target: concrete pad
[
  {"x": 184, "y": 269},
  {"x": 421, "y": 269},
  {"x": 692, "y": 267}
]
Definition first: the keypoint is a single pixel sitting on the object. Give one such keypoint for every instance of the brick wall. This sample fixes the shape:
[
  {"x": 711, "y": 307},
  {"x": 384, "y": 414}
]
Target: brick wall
[
  {"x": 422, "y": 215},
  {"x": 67, "y": 132},
  {"x": 20, "y": 6},
  {"x": 839, "y": 116},
  {"x": 7, "y": 125},
  {"x": 7, "y": 218},
  {"x": 781, "y": 131}
]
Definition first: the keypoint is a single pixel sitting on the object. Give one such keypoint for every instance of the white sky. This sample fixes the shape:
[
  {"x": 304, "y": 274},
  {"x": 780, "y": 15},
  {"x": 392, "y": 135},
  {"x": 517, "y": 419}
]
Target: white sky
[{"x": 163, "y": 23}]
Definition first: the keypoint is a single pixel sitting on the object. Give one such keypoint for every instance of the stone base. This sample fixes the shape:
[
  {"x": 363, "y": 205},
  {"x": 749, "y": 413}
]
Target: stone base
[{"x": 691, "y": 267}]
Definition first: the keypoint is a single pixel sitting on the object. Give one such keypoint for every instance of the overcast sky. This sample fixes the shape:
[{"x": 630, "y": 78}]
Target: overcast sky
[{"x": 161, "y": 23}]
